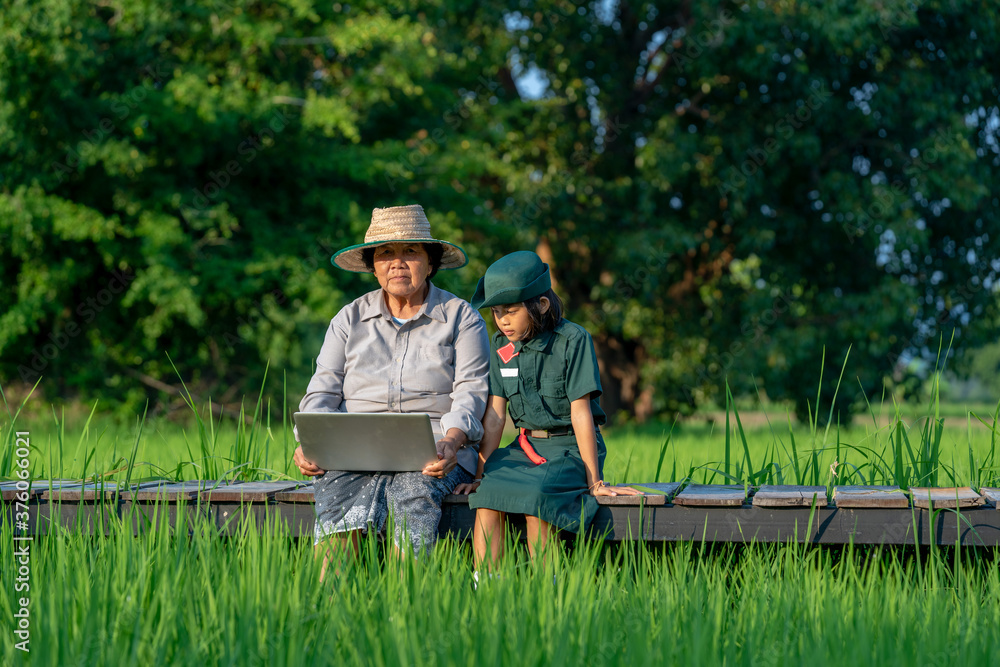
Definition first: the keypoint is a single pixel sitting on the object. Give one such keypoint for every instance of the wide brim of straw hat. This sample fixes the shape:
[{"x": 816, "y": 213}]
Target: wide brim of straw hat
[{"x": 398, "y": 224}]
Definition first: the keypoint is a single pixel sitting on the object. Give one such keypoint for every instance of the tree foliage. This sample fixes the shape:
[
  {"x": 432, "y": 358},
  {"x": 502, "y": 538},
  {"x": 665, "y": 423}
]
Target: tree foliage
[{"x": 725, "y": 191}]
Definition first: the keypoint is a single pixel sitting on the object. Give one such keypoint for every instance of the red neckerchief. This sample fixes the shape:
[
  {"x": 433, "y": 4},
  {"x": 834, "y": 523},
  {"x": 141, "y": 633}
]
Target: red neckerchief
[{"x": 529, "y": 450}]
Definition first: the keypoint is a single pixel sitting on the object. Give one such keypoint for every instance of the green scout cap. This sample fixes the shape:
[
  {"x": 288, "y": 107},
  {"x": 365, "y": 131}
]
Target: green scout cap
[{"x": 513, "y": 278}]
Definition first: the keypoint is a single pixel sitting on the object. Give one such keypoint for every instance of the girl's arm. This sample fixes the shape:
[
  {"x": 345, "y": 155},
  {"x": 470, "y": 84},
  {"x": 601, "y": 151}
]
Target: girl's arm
[
  {"x": 586, "y": 440},
  {"x": 493, "y": 423}
]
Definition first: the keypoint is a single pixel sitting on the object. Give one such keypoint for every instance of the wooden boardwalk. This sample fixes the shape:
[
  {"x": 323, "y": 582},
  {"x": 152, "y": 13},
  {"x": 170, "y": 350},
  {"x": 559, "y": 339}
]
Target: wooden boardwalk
[{"x": 667, "y": 513}]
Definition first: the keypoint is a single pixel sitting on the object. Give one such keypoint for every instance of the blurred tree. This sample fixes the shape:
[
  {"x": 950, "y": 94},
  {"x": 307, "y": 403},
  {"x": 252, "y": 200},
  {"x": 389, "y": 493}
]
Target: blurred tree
[
  {"x": 724, "y": 190},
  {"x": 729, "y": 190},
  {"x": 176, "y": 175}
]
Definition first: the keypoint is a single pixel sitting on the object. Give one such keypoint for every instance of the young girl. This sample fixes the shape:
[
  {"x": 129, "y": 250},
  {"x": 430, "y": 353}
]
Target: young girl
[{"x": 544, "y": 370}]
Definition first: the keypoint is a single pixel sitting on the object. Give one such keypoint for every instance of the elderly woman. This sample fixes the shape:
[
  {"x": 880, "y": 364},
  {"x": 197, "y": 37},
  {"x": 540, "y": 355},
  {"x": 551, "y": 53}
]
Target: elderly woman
[{"x": 405, "y": 347}]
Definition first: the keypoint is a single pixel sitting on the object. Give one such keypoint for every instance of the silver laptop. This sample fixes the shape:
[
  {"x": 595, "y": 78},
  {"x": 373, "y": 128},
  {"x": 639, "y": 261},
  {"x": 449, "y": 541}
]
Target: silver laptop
[{"x": 361, "y": 442}]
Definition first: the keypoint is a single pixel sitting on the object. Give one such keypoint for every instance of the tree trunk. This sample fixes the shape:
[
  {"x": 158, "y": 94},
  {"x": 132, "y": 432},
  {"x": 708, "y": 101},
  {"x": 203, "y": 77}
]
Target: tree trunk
[{"x": 620, "y": 363}]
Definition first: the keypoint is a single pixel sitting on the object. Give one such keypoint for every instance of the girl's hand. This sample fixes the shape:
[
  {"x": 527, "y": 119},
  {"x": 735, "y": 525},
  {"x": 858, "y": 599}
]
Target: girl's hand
[
  {"x": 602, "y": 489},
  {"x": 466, "y": 489}
]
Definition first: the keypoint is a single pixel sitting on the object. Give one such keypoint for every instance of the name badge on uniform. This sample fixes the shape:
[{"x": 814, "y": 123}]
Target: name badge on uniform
[{"x": 508, "y": 372}]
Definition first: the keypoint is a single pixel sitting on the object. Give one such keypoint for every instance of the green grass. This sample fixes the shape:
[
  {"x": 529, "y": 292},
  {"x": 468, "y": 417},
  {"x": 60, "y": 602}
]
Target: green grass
[
  {"x": 892, "y": 444},
  {"x": 185, "y": 596},
  {"x": 891, "y": 448},
  {"x": 255, "y": 599}
]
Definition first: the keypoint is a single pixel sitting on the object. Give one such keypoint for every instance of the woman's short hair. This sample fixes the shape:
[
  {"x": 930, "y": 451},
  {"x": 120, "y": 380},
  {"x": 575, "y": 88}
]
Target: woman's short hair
[
  {"x": 434, "y": 253},
  {"x": 541, "y": 322}
]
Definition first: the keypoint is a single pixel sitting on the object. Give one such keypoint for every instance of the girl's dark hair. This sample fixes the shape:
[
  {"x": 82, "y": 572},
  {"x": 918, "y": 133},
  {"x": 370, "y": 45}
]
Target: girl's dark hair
[
  {"x": 547, "y": 321},
  {"x": 434, "y": 252}
]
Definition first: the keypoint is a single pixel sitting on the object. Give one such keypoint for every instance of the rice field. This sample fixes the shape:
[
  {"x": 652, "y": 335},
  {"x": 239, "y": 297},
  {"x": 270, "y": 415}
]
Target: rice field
[
  {"x": 905, "y": 446},
  {"x": 186, "y": 597},
  {"x": 256, "y": 599}
]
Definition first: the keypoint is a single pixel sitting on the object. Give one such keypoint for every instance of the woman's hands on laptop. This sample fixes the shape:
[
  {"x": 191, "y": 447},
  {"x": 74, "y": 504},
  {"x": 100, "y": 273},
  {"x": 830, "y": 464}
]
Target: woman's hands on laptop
[
  {"x": 306, "y": 467},
  {"x": 446, "y": 451}
]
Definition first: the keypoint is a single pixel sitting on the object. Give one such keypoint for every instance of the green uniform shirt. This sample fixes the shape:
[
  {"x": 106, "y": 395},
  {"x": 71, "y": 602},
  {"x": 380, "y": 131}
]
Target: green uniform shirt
[{"x": 545, "y": 375}]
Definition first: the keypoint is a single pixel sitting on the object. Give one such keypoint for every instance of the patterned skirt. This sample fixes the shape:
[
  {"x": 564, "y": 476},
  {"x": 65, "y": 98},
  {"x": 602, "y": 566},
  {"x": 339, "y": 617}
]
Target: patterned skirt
[{"x": 349, "y": 501}]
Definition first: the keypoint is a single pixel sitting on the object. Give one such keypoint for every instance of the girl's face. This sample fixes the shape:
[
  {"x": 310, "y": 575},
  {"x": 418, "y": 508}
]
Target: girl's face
[{"x": 514, "y": 321}]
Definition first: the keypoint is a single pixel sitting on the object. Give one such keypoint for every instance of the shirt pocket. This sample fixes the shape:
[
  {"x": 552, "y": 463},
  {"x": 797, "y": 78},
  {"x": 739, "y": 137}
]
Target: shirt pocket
[
  {"x": 433, "y": 371},
  {"x": 510, "y": 385},
  {"x": 552, "y": 389}
]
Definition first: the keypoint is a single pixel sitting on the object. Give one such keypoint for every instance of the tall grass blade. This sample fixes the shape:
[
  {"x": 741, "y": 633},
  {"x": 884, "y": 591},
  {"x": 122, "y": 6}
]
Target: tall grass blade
[{"x": 663, "y": 452}]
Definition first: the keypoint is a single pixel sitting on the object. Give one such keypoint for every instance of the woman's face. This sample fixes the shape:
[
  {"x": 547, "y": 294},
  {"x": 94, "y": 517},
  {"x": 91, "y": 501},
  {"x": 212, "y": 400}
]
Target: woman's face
[{"x": 402, "y": 268}]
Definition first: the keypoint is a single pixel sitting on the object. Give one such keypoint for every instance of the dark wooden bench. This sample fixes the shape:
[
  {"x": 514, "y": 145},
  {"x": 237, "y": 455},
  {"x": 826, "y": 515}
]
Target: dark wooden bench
[{"x": 667, "y": 512}]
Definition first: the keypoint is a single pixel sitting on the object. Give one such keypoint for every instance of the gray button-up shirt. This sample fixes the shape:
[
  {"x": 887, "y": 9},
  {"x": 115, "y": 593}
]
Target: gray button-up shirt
[{"x": 435, "y": 363}]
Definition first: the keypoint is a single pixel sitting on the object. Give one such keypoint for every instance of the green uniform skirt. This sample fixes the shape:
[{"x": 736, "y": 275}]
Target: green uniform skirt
[{"x": 555, "y": 491}]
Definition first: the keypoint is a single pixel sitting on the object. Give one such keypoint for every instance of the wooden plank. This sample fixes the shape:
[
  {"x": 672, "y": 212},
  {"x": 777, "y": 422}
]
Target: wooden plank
[
  {"x": 743, "y": 524},
  {"x": 166, "y": 491},
  {"x": 992, "y": 496},
  {"x": 711, "y": 495},
  {"x": 644, "y": 500},
  {"x": 245, "y": 492},
  {"x": 945, "y": 498},
  {"x": 870, "y": 497},
  {"x": 38, "y": 487},
  {"x": 75, "y": 492},
  {"x": 975, "y": 526},
  {"x": 663, "y": 491},
  {"x": 301, "y": 494},
  {"x": 299, "y": 518},
  {"x": 80, "y": 517},
  {"x": 667, "y": 489},
  {"x": 772, "y": 495},
  {"x": 230, "y": 517},
  {"x": 11, "y": 493},
  {"x": 11, "y": 512},
  {"x": 153, "y": 515}
]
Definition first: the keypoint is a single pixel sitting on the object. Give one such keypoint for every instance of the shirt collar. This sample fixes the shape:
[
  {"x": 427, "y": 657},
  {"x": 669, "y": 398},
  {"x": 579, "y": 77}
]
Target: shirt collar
[
  {"x": 539, "y": 342},
  {"x": 433, "y": 306}
]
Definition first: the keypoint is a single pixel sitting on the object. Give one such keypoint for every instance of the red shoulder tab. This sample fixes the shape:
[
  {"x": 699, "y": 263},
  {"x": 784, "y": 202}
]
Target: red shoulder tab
[{"x": 506, "y": 353}]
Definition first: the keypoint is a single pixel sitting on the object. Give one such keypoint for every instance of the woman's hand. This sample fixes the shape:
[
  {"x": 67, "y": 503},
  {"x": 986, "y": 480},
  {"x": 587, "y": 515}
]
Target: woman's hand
[
  {"x": 447, "y": 447},
  {"x": 602, "y": 489},
  {"x": 466, "y": 489},
  {"x": 306, "y": 467}
]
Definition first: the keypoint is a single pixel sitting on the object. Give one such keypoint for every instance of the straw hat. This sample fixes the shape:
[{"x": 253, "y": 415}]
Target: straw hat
[{"x": 398, "y": 224}]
